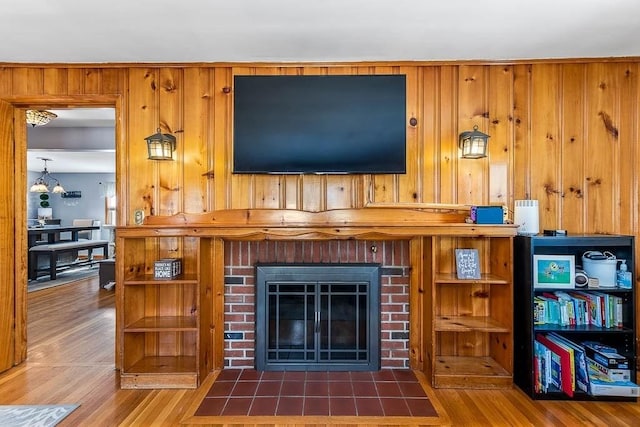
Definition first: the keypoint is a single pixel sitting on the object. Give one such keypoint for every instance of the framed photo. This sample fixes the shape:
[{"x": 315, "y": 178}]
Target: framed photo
[
  {"x": 467, "y": 264},
  {"x": 554, "y": 271}
]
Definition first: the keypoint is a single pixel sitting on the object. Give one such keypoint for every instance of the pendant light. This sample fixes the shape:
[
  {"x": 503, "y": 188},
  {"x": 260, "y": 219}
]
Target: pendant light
[{"x": 43, "y": 182}]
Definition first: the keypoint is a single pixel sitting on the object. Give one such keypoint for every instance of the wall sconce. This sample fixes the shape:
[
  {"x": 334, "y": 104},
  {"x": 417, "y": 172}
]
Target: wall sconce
[
  {"x": 473, "y": 144},
  {"x": 161, "y": 146}
]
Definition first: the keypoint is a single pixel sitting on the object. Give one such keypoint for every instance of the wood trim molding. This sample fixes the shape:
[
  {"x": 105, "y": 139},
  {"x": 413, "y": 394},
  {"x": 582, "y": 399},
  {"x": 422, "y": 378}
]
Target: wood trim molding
[
  {"x": 62, "y": 101},
  {"x": 398, "y": 63},
  {"x": 284, "y": 224}
]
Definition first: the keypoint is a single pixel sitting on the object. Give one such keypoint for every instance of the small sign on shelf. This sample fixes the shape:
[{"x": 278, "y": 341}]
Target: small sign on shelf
[
  {"x": 167, "y": 268},
  {"x": 467, "y": 264}
]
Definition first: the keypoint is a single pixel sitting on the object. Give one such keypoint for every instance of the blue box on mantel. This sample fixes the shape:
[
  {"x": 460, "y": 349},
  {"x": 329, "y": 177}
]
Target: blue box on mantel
[{"x": 487, "y": 214}]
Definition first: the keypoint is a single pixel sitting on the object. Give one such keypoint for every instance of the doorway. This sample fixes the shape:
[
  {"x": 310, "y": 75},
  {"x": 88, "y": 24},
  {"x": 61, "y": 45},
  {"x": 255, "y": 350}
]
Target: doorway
[
  {"x": 75, "y": 151},
  {"x": 77, "y": 147},
  {"x": 13, "y": 159}
]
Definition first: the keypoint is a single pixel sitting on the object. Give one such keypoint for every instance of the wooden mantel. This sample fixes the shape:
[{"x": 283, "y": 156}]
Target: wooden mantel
[{"x": 284, "y": 224}]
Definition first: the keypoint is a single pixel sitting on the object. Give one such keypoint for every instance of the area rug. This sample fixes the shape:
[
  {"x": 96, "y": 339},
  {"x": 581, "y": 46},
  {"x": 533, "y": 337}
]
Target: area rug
[
  {"x": 63, "y": 278},
  {"x": 34, "y": 415},
  {"x": 248, "y": 396}
]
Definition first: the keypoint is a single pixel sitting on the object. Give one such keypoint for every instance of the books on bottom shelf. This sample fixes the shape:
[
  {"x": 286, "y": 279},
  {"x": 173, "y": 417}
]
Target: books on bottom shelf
[
  {"x": 612, "y": 374},
  {"x": 561, "y": 365},
  {"x": 601, "y": 385},
  {"x": 605, "y": 355}
]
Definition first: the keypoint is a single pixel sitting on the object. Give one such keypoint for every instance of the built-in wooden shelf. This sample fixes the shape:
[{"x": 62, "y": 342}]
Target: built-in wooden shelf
[
  {"x": 470, "y": 372},
  {"x": 163, "y": 323},
  {"x": 161, "y": 372},
  {"x": 486, "y": 334},
  {"x": 485, "y": 279},
  {"x": 469, "y": 324},
  {"x": 471, "y": 344},
  {"x": 164, "y": 331},
  {"x": 149, "y": 279}
]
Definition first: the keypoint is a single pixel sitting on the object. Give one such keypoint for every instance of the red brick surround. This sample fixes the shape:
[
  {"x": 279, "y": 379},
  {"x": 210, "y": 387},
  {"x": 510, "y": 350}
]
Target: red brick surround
[{"x": 240, "y": 257}]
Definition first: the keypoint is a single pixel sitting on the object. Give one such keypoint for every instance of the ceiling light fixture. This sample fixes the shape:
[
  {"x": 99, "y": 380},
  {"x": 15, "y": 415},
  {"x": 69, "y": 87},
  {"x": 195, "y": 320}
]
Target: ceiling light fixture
[
  {"x": 41, "y": 185},
  {"x": 39, "y": 117}
]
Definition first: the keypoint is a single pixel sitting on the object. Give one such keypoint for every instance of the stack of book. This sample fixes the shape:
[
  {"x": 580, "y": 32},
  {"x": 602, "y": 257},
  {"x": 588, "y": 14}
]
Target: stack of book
[
  {"x": 578, "y": 308},
  {"x": 561, "y": 365},
  {"x": 609, "y": 373}
]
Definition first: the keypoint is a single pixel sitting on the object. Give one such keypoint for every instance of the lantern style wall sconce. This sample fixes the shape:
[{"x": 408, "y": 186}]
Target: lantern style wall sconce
[
  {"x": 473, "y": 144},
  {"x": 161, "y": 146}
]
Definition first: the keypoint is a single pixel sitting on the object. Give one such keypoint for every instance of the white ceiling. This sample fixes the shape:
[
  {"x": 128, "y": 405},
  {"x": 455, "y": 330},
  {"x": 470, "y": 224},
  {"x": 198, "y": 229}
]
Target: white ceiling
[
  {"x": 65, "y": 161},
  {"x": 67, "y": 31},
  {"x": 74, "y": 141},
  {"x": 83, "y": 117}
]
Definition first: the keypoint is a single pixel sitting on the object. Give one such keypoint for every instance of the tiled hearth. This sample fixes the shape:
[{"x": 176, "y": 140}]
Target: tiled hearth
[{"x": 246, "y": 392}]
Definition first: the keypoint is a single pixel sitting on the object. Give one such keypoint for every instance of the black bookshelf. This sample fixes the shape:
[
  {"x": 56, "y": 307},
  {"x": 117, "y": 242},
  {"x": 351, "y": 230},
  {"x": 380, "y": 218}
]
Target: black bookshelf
[{"x": 622, "y": 338}]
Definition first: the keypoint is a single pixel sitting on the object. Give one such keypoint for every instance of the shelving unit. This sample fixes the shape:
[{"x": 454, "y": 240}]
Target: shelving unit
[
  {"x": 622, "y": 338},
  {"x": 460, "y": 331},
  {"x": 471, "y": 340},
  {"x": 165, "y": 341}
]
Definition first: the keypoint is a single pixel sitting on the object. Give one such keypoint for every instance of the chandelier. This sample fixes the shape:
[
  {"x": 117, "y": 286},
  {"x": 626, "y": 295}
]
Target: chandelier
[
  {"x": 41, "y": 185},
  {"x": 39, "y": 117}
]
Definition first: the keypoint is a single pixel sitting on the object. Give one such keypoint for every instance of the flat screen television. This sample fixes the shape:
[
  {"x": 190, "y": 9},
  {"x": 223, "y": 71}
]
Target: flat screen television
[{"x": 338, "y": 124}]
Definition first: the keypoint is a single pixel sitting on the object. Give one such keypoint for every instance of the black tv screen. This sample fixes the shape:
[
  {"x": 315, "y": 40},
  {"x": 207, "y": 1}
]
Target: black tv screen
[{"x": 319, "y": 124}]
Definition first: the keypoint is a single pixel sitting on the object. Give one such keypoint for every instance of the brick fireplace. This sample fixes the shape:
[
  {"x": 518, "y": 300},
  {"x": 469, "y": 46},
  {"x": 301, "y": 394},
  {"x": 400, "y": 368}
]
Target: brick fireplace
[{"x": 240, "y": 295}]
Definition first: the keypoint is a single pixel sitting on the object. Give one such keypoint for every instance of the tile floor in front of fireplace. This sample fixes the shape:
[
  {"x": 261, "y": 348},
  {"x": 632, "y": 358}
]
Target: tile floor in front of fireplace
[{"x": 247, "y": 392}]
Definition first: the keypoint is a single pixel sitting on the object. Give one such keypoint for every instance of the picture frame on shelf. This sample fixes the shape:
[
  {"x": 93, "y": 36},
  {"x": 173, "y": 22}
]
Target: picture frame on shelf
[
  {"x": 467, "y": 264},
  {"x": 554, "y": 271}
]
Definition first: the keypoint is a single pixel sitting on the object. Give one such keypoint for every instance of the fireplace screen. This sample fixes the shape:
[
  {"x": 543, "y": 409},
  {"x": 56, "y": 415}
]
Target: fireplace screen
[{"x": 318, "y": 317}]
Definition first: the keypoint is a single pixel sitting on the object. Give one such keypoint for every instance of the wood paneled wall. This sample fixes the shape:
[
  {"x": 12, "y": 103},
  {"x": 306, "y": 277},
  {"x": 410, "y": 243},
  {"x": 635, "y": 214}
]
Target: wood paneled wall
[{"x": 565, "y": 133}]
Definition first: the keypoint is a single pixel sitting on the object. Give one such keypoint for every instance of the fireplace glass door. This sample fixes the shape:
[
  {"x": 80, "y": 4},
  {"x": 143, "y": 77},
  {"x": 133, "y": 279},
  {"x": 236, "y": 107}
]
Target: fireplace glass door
[{"x": 317, "y": 317}]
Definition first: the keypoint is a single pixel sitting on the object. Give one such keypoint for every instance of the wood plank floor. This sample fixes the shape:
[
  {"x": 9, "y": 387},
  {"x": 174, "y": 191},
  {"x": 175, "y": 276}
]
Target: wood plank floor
[{"x": 70, "y": 360}]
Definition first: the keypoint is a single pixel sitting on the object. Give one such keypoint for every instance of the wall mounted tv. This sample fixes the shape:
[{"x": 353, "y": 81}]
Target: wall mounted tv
[{"x": 334, "y": 124}]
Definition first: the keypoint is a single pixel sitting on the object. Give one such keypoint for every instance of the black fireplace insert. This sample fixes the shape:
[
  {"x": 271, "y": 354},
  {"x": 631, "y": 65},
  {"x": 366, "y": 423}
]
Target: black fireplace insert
[{"x": 318, "y": 317}]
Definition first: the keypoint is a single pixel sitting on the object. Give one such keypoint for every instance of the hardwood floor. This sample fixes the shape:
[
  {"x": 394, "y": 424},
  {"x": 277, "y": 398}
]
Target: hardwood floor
[{"x": 71, "y": 332}]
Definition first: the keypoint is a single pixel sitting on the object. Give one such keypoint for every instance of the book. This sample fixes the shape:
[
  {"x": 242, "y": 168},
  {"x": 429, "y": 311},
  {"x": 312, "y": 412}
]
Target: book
[
  {"x": 605, "y": 309},
  {"x": 583, "y": 304},
  {"x": 592, "y": 311},
  {"x": 551, "y": 310},
  {"x": 540, "y": 354},
  {"x": 605, "y": 355},
  {"x": 600, "y": 385},
  {"x": 567, "y": 383},
  {"x": 539, "y": 311},
  {"x": 580, "y": 366},
  {"x": 567, "y": 302},
  {"x": 618, "y": 310},
  {"x": 548, "y": 368},
  {"x": 613, "y": 374}
]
